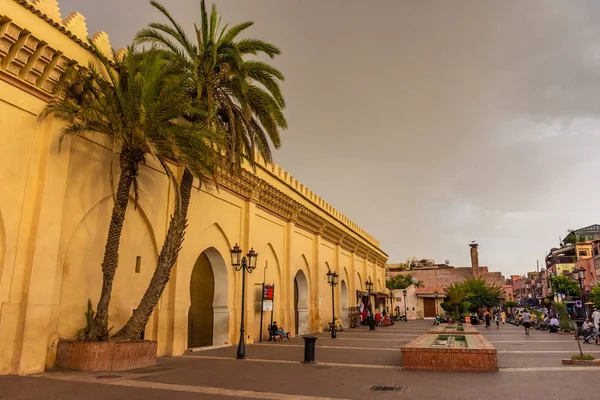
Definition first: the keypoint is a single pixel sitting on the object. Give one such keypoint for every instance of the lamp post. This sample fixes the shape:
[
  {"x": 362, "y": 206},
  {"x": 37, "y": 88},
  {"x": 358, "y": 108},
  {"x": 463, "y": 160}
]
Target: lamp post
[
  {"x": 435, "y": 295},
  {"x": 405, "y": 306},
  {"x": 579, "y": 274},
  {"x": 246, "y": 263},
  {"x": 332, "y": 279},
  {"x": 369, "y": 286}
]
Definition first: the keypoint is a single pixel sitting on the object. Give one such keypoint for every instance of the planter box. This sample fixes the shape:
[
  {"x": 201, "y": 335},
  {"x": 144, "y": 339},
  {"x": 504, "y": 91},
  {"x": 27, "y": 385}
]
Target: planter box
[
  {"x": 454, "y": 329},
  {"x": 105, "y": 356},
  {"x": 585, "y": 363},
  {"x": 478, "y": 355}
]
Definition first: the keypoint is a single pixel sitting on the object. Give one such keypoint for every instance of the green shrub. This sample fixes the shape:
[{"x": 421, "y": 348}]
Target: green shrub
[
  {"x": 565, "y": 320},
  {"x": 585, "y": 357},
  {"x": 83, "y": 333}
]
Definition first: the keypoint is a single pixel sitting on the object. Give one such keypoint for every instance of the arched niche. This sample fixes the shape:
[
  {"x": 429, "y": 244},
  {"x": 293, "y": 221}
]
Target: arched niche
[
  {"x": 268, "y": 271},
  {"x": 344, "y": 303},
  {"x": 208, "y": 314},
  {"x": 81, "y": 272},
  {"x": 301, "y": 304}
]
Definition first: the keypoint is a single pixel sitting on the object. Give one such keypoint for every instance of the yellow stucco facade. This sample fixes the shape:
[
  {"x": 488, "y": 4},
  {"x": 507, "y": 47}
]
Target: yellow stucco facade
[{"x": 55, "y": 207}]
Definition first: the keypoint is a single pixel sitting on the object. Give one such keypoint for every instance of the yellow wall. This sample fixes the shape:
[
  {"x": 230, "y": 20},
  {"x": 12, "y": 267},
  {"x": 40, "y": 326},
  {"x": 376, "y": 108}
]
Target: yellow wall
[
  {"x": 562, "y": 268},
  {"x": 55, "y": 208}
]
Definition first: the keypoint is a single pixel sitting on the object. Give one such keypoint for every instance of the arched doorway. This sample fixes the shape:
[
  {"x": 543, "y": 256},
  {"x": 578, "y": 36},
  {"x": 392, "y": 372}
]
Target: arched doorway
[
  {"x": 208, "y": 317},
  {"x": 344, "y": 302},
  {"x": 301, "y": 303}
]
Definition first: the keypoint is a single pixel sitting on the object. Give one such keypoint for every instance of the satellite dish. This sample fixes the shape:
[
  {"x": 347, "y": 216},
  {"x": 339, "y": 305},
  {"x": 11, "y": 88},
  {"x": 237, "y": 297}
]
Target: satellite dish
[{"x": 446, "y": 262}]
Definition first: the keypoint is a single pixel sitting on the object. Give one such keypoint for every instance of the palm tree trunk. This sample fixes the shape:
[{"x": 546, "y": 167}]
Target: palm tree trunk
[
  {"x": 167, "y": 259},
  {"x": 99, "y": 328}
]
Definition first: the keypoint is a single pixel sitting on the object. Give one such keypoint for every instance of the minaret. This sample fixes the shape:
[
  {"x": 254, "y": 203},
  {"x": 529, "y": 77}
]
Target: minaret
[{"x": 475, "y": 259}]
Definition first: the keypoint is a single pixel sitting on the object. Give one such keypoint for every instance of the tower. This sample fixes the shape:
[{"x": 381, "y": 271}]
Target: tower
[{"x": 475, "y": 259}]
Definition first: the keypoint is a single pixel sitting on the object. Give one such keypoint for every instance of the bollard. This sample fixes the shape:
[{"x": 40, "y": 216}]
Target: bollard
[
  {"x": 309, "y": 349},
  {"x": 371, "y": 324}
]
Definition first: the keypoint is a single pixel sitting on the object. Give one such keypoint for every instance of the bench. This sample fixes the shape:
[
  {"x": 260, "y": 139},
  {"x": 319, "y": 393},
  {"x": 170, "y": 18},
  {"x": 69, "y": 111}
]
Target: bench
[{"x": 274, "y": 335}]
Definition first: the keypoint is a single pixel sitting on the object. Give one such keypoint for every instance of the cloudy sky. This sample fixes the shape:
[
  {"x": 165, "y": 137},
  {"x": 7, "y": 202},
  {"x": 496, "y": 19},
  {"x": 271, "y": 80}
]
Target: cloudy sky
[{"x": 429, "y": 123}]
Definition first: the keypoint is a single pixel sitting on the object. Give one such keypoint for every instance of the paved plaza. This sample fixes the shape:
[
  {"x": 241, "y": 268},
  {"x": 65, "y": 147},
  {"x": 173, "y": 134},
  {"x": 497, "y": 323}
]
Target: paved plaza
[{"x": 348, "y": 367}]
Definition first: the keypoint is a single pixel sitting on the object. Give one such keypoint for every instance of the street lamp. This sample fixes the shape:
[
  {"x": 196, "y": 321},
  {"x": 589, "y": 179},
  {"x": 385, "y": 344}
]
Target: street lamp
[
  {"x": 435, "y": 295},
  {"x": 332, "y": 279},
  {"x": 579, "y": 274},
  {"x": 405, "y": 306},
  {"x": 245, "y": 264},
  {"x": 369, "y": 286}
]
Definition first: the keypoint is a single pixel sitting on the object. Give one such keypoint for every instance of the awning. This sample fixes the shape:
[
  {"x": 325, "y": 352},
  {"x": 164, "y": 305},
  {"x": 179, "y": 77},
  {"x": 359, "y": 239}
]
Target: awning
[
  {"x": 382, "y": 296},
  {"x": 361, "y": 294}
]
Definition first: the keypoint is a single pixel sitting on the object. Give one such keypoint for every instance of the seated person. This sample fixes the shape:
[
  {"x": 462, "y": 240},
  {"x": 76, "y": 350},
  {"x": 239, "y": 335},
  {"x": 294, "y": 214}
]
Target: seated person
[
  {"x": 387, "y": 320},
  {"x": 553, "y": 324},
  {"x": 545, "y": 323},
  {"x": 338, "y": 325},
  {"x": 276, "y": 330},
  {"x": 587, "y": 329}
]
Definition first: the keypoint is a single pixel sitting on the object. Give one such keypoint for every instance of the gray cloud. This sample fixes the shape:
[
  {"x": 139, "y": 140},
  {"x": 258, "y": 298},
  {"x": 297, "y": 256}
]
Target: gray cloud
[{"x": 431, "y": 123}]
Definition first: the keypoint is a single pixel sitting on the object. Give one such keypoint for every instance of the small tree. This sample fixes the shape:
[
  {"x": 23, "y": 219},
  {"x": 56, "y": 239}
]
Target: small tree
[
  {"x": 565, "y": 322},
  {"x": 596, "y": 297},
  {"x": 457, "y": 293},
  {"x": 482, "y": 295},
  {"x": 562, "y": 284},
  {"x": 510, "y": 304},
  {"x": 402, "y": 282}
]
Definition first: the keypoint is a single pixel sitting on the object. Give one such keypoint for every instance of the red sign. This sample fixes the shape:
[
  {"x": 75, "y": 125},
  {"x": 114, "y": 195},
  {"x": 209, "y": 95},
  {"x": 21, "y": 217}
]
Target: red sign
[{"x": 268, "y": 292}]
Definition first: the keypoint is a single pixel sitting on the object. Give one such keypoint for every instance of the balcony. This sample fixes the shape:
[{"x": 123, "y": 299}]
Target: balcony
[{"x": 563, "y": 260}]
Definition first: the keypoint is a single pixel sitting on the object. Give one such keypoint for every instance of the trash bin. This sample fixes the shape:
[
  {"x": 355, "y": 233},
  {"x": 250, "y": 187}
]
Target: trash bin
[{"x": 309, "y": 349}]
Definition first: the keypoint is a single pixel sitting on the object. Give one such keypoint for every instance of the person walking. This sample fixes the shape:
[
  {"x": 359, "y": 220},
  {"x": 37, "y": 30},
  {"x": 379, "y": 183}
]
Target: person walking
[
  {"x": 488, "y": 318},
  {"x": 526, "y": 321},
  {"x": 497, "y": 319},
  {"x": 596, "y": 319},
  {"x": 503, "y": 316}
]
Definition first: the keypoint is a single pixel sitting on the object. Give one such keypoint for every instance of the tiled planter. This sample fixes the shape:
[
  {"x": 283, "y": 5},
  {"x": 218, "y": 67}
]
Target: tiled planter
[
  {"x": 453, "y": 329},
  {"x": 105, "y": 356},
  {"x": 585, "y": 363},
  {"x": 480, "y": 355}
]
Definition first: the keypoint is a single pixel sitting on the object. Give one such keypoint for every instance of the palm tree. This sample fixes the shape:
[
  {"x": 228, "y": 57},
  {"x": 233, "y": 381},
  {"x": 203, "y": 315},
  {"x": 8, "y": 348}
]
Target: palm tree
[
  {"x": 133, "y": 100},
  {"x": 457, "y": 292},
  {"x": 239, "y": 97}
]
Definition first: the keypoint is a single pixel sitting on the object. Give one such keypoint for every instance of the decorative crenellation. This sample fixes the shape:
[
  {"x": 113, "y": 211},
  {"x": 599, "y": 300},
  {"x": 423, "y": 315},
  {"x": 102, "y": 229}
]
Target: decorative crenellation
[
  {"x": 49, "y": 8},
  {"x": 40, "y": 66},
  {"x": 35, "y": 62},
  {"x": 287, "y": 178},
  {"x": 267, "y": 196},
  {"x": 75, "y": 23}
]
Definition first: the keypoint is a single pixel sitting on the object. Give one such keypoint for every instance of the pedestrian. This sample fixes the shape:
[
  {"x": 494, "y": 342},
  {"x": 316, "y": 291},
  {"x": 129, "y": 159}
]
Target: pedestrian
[
  {"x": 596, "y": 319},
  {"x": 553, "y": 324},
  {"x": 497, "y": 319},
  {"x": 487, "y": 317},
  {"x": 526, "y": 321},
  {"x": 503, "y": 315}
]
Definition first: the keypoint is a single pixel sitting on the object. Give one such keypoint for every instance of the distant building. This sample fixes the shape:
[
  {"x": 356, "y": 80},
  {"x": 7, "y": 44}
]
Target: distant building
[{"x": 434, "y": 277}]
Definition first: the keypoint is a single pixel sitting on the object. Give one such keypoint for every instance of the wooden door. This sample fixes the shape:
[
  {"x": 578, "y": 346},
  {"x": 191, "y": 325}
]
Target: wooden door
[
  {"x": 200, "y": 316},
  {"x": 429, "y": 308}
]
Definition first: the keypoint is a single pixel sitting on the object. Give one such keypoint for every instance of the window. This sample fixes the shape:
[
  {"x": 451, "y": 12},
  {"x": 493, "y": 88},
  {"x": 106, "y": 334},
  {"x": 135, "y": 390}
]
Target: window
[
  {"x": 138, "y": 264},
  {"x": 583, "y": 253}
]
